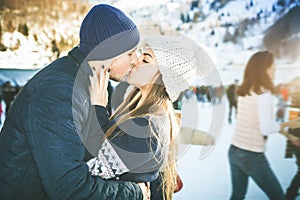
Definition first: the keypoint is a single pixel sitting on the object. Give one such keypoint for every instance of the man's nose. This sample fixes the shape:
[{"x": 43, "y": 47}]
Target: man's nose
[{"x": 134, "y": 58}]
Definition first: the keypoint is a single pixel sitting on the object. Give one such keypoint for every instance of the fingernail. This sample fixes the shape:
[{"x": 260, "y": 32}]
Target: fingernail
[
  {"x": 102, "y": 66},
  {"x": 108, "y": 70}
]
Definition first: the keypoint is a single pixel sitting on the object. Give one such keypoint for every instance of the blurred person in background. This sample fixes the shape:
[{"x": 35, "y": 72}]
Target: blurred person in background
[
  {"x": 293, "y": 143},
  {"x": 293, "y": 188},
  {"x": 255, "y": 121},
  {"x": 9, "y": 92},
  {"x": 232, "y": 99}
]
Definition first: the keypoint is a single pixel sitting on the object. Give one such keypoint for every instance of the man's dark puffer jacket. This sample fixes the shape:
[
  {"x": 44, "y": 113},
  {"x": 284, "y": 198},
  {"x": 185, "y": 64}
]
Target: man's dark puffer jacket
[{"x": 43, "y": 141}]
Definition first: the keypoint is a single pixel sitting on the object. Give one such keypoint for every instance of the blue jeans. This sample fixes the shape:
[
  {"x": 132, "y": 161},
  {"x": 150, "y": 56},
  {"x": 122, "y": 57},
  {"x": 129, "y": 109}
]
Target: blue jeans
[
  {"x": 245, "y": 164},
  {"x": 292, "y": 191}
]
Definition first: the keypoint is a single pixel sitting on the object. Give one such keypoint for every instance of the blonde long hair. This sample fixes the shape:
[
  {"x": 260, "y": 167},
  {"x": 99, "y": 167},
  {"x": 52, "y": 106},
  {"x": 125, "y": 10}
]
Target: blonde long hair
[{"x": 158, "y": 101}]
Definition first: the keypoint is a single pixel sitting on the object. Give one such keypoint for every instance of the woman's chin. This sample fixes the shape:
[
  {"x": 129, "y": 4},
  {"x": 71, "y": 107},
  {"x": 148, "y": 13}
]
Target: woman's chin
[{"x": 131, "y": 82}]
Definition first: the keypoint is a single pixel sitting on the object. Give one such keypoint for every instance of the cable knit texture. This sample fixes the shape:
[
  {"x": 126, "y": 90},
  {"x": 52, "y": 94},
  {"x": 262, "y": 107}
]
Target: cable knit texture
[{"x": 250, "y": 123}]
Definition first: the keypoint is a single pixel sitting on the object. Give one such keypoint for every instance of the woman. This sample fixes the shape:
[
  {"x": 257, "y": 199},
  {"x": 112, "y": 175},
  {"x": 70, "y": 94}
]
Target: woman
[
  {"x": 141, "y": 136},
  {"x": 255, "y": 121}
]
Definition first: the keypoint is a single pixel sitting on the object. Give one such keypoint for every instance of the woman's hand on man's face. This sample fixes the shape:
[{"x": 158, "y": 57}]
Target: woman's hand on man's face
[{"x": 98, "y": 88}]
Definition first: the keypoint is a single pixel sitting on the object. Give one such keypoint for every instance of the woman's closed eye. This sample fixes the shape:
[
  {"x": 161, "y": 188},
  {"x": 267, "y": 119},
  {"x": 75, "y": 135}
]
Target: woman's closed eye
[{"x": 148, "y": 56}]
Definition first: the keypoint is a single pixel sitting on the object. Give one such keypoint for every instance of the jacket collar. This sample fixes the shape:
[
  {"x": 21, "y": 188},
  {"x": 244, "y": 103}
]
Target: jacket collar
[{"x": 80, "y": 61}]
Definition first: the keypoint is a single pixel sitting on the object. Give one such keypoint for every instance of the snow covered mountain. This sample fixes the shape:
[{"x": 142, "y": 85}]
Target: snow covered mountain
[{"x": 232, "y": 29}]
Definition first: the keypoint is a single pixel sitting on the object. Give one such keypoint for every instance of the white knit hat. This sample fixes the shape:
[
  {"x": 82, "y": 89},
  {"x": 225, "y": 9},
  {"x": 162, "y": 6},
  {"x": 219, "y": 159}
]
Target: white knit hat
[{"x": 181, "y": 61}]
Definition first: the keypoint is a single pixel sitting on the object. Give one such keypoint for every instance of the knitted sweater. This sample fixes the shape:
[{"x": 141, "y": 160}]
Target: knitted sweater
[
  {"x": 135, "y": 154},
  {"x": 255, "y": 120}
]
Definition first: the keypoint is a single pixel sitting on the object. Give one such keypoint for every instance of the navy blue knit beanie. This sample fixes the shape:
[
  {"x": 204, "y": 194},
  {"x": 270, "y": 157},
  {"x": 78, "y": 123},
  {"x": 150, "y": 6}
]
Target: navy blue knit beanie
[{"x": 107, "y": 32}]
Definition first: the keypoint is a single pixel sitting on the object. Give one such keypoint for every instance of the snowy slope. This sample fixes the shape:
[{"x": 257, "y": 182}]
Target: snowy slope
[{"x": 230, "y": 57}]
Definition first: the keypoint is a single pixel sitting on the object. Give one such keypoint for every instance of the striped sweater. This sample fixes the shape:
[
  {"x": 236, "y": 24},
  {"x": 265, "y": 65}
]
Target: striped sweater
[{"x": 255, "y": 120}]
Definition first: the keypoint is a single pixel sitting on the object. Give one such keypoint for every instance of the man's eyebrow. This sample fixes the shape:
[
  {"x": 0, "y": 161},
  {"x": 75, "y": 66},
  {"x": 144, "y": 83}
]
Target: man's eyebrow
[
  {"x": 133, "y": 50},
  {"x": 148, "y": 54}
]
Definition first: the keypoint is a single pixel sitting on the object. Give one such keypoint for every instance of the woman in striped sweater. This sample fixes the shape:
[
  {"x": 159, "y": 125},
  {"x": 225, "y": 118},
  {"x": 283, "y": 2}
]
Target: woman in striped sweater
[{"x": 255, "y": 121}]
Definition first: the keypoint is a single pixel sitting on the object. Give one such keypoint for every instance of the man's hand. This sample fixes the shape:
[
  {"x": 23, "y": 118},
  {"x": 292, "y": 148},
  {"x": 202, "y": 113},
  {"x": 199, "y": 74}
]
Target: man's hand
[
  {"x": 295, "y": 140},
  {"x": 146, "y": 190},
  {"x": 293, "y": 123}
]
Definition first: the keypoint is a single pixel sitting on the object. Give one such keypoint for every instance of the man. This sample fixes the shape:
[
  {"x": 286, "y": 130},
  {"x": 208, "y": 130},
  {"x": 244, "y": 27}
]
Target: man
[
  {"x": 232, "y": 99},
  {"x": 51, "y": 130},
  {"x": 9, "y": 92}
]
